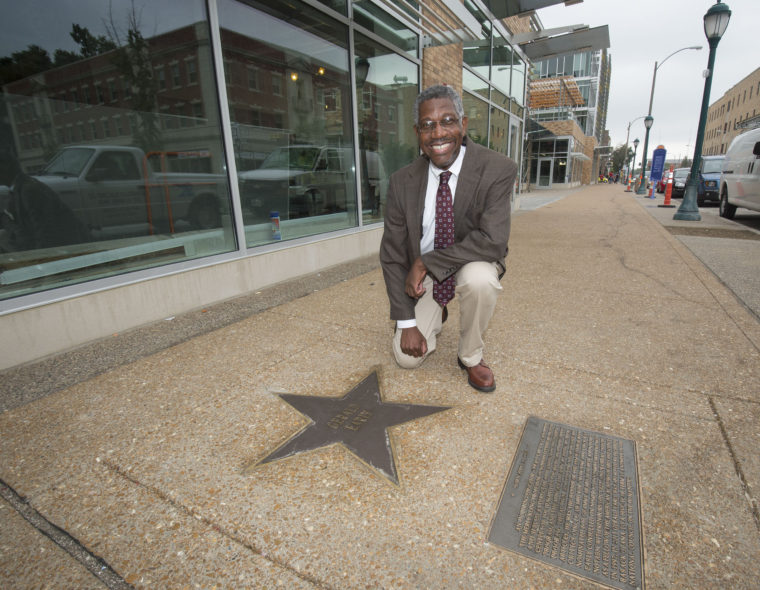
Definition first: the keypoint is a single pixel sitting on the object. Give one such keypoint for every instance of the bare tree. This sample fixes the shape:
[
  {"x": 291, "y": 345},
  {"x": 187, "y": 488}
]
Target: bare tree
[{"x": 133, "y": 60}]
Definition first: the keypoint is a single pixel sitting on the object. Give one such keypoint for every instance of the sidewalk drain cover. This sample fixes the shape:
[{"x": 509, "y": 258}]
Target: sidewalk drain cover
[{"x": 571, "y": 500}]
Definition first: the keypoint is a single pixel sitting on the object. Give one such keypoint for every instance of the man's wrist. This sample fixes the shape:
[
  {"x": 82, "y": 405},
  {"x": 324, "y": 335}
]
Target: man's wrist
[{"x": 401, "y": 324}]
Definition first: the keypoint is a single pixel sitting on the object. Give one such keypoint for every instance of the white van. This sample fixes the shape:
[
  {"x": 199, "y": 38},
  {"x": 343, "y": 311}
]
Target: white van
[{"x": 740, "y": 175}]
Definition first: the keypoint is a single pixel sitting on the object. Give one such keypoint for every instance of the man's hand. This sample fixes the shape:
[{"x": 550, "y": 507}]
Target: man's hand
[
  {"x": 413, "y": 342},
  {"x": 414, "y": 278}
]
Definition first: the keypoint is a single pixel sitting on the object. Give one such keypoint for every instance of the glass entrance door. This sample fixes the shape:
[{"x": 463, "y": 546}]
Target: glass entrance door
[{"x": 544, "y": 172}]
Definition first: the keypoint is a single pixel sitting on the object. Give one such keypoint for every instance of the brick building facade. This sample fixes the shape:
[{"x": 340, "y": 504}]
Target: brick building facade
[{"x": 734, "y": 112}]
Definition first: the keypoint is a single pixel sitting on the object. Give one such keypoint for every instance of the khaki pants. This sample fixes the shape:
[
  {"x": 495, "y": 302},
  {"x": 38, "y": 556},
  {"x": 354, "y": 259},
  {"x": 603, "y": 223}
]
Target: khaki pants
[{"x": 477, "y": 287}]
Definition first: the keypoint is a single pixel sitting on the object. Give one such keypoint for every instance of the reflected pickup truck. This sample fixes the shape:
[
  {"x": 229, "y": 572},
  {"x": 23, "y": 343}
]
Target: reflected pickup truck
[{"x": 114, "y": 191}]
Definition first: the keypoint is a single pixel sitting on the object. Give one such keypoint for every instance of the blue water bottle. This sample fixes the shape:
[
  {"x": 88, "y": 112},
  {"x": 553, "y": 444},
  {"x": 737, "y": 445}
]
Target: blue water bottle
[{"x": 274, "y": 219}]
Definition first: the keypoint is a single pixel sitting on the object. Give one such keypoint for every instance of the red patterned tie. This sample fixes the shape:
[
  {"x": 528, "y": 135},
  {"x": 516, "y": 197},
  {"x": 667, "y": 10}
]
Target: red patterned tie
[{"x": 443, "y": 292}]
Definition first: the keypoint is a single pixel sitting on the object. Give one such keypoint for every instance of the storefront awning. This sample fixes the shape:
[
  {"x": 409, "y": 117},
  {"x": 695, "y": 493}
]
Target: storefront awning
[
  {"x": 507, "y": 8},
  {"x": 579, "y": 156},
  {"x": 581, "y": 39}
]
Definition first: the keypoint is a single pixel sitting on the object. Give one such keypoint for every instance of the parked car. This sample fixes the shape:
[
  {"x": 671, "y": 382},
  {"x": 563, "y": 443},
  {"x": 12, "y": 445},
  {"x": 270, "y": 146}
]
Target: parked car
[
  {"x": 679, "y": 182},
  {"x": 740, "y": 177},
  {"x": 307, "y": 180},
  {"x": 113, "y": 191},
  {"x": 709, "y": 179}
]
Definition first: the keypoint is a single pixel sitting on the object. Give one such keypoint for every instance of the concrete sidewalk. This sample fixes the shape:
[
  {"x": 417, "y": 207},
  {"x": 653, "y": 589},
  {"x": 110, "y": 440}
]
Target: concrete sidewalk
[{"x": 607, "y": 322}]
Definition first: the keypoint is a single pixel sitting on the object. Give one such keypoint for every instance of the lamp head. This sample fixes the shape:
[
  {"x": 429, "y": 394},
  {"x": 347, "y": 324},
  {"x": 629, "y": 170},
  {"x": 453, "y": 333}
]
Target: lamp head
[
  {"x": 716, "y": 20},
  {"x": 648, "y": 120},
  {"x": 362, "y": 71},
  {"x": 636, "y": 143}
]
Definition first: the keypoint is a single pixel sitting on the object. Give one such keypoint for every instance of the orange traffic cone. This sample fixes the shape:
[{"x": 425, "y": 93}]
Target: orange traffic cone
[{"x": 668, "y": 189}]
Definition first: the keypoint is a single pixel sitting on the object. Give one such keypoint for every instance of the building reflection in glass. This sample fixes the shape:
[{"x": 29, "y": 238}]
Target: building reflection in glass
[
  {"x": 386, "y": 85},
  {"x": 112, "y": 135},
  {"x": 111, "y": 151}
]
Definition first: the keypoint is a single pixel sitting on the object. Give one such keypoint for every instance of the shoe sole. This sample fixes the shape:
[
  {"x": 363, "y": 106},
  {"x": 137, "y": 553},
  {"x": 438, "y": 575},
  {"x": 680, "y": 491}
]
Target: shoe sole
[{"x": 478, "y": 387}]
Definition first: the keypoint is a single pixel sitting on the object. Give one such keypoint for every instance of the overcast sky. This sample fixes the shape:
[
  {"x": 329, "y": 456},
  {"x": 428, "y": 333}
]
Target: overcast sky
[{"x": 643, "y": 32}]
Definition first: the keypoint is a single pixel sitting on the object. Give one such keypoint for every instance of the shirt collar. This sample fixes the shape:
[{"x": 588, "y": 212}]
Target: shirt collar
[{"x": 455, "y": 168}]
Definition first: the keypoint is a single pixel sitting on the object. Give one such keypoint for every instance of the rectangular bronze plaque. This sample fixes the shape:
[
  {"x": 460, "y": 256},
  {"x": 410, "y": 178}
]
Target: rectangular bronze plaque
[{"x": 571, "y": 499}]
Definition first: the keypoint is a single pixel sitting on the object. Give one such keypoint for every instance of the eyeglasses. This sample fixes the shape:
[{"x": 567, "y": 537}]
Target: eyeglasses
[{"x": 445, "y": 123}]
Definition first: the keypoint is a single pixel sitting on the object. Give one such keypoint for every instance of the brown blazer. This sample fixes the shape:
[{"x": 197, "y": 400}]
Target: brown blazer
[{"x": 482, "y": 206}]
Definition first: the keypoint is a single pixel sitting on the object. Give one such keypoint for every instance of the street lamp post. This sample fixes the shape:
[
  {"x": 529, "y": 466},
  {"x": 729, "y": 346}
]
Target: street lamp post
[
  {"x": 715, "y": 23},
  {"x": 635, "y": 149},
  {"x": 648, "y": 122}
]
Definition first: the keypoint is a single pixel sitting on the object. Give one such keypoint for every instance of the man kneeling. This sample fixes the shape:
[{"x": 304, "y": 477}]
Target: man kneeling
[{"x": 446, "y": 230}]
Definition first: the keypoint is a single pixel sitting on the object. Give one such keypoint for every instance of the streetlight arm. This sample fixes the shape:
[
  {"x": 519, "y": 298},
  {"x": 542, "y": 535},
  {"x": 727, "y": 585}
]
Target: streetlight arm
[
  {"x": 632, "y": 122},
  {"x": 657, "y": 66},
  {"x": 697, "y": 47}
]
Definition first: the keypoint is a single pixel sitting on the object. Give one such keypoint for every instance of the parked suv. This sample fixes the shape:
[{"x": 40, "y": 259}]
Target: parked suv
[
  {"x": 709, "y": 179},
  {"x": 740, "y": 179}
]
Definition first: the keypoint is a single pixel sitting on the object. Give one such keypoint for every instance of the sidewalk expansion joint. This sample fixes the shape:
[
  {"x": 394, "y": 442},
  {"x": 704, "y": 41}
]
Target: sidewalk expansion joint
[
  {"x": 753, "y": 507},
  {"x": 94, "y": 564},
  {"x": 216, "y": 527}
]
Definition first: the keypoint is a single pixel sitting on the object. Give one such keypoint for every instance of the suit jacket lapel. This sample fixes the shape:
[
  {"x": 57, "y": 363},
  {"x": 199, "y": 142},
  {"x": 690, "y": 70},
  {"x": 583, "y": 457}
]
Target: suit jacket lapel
[
  {"x": 414, "y": 189},
  {"x": 469, "y": 177}
]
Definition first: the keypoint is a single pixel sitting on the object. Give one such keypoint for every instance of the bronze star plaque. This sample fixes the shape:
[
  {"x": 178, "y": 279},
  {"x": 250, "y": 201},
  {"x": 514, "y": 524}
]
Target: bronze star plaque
[{"x": 359, "y": 421}]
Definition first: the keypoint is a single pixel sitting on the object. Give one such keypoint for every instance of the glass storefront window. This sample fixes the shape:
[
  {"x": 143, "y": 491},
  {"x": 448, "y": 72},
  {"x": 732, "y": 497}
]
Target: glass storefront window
[
  {"x": 387, "y": 85},
  {"x": 516, "y": 109},
  {"x": 477, "y": 52},
  {"x": 474, "y": 84},
  {"x": 499, "y": 137},
  {"x": 500, "y": 99},
  {"x": 560, "y": 170},
  {"x": 292, "y": 128},
  {"x": 518, "y": 80},
  {"x": 110, "y": 143},
  {"x": 485, "y": 23},
  {"x": 385, "y": 26},
  {"x": 477, "y": 55},
  {"x": 515, "y": 140},
  {"x": 502, "y": 129},
  {"x": 502, "y": 64},
  {"x": 546, "y": 147},
  {"x": 582, "y": 64},
  {"x": 476, "y": 111}
]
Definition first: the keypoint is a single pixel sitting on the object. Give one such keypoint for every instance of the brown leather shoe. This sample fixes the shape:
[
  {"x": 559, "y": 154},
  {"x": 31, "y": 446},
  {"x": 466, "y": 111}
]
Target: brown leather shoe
[
  {"x": 480, "y": 376},
  {"x": 444, "y": 314}
]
